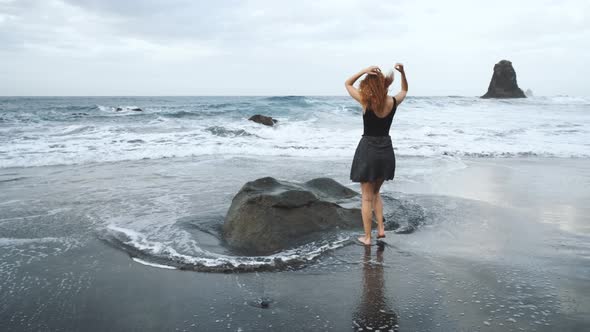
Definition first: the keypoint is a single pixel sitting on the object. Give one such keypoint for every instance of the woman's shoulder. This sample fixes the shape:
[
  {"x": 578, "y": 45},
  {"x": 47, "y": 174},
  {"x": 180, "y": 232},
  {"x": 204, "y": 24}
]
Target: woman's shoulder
[{"x": 390, "y": 101}]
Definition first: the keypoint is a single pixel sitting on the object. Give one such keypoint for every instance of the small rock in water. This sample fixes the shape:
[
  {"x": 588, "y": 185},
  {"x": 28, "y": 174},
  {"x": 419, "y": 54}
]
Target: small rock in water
[
  {"x": 263, "y": 119},
  {"x": 263, "y": 303},
  {"x": 133, "y": 109}
]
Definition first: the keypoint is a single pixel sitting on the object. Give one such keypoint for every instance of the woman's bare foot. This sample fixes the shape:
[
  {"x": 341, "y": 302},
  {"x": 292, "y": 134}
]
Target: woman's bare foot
[
  {"x": 365, "y": 240},
  {"x": 380, "y": 232}
]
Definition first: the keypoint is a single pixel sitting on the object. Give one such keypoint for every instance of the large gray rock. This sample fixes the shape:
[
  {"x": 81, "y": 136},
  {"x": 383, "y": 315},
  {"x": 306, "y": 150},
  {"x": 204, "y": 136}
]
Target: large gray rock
[
  {"x": 268, "y": 215},
  {"x": 503, "y": 83}
]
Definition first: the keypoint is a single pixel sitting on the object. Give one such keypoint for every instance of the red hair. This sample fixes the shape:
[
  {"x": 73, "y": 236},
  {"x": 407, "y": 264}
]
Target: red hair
[{"x": 373, "y": 89}]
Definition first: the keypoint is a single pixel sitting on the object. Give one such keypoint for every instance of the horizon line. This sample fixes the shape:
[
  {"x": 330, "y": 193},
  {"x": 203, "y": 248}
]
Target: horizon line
[{"x": 253, "y": 95}]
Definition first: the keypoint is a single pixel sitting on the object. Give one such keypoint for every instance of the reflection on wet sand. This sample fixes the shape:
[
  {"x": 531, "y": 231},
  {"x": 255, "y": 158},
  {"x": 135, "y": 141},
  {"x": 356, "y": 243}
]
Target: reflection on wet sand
[{"x": 373, "y": 312}]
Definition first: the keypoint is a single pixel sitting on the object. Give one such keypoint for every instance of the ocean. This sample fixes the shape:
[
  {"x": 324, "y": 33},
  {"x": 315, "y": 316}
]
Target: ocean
[
  {"x": 101, "y": 206},
  {"x": 81, "y": 130}
]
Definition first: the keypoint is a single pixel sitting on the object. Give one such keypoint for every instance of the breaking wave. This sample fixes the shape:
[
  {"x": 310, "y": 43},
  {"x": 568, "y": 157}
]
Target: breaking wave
[
  {"x": 64, "y": 131},
  {"x": 225, "y": 132}
]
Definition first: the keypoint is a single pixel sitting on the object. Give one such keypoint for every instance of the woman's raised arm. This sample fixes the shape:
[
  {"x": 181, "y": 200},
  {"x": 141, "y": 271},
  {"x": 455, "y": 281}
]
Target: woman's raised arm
[
  {"x": 400, "y": 96},
  {"x": 354, "y": 92}
]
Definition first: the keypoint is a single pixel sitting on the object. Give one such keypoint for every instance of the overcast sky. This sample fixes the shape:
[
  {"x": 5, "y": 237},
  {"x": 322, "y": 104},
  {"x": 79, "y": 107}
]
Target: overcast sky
[{"x": 270, "y": 47}]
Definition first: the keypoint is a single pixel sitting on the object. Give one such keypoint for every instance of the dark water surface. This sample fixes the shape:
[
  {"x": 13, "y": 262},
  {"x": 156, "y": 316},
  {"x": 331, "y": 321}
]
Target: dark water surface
[{"x": 503, "y": 246}]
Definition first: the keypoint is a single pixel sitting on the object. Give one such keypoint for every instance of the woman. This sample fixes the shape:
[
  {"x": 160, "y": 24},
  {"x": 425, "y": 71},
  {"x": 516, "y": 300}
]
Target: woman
[{"x": 374, "y": 161}]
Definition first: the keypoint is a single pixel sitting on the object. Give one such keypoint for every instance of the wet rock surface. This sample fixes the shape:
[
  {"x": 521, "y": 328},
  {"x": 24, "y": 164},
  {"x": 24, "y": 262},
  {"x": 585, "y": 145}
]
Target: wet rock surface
[
  {"x": 263, "y": 119},
  {"x": 268, "y": 215}
]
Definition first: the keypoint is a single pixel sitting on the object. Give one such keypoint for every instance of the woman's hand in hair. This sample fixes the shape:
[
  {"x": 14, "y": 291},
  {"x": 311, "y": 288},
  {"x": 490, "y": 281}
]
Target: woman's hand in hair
[{"x": 372, "y": 70}]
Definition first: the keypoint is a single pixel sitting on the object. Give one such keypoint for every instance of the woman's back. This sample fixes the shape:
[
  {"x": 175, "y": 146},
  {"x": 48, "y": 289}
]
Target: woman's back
[{"x": 375, "y": 125}]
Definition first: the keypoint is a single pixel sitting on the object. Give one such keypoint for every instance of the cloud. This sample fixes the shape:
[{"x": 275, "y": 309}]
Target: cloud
[{"x": 278, "y": 47}]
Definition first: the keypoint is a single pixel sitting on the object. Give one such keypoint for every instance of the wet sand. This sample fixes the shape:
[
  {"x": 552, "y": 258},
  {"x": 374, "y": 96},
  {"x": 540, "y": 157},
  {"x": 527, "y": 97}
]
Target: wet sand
[{"x": 506, "y": 248}]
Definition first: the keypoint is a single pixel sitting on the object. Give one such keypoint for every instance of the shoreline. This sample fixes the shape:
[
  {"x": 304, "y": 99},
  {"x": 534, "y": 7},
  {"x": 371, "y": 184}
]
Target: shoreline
[{"x": 215, "y": 156}]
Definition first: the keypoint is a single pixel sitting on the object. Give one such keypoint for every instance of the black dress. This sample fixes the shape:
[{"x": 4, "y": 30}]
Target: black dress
[{"x": 374, "y": 158}]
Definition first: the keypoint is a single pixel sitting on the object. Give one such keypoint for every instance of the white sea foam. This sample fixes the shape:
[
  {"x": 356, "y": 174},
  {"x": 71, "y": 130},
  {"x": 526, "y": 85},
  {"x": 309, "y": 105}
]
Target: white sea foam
[
  {"x": 113, "y": 109},
  {"x": 30, "y": 250},
  {"x": 138, "y": 241},
  {"x": 160, "y": 266},
  {"x": 329, "y": 127},
  {"x": 27, "y": 241}
]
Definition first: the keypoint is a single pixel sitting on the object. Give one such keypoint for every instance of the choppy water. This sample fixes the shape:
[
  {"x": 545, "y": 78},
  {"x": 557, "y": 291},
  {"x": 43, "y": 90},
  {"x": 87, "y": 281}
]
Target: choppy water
[
  {"x": 155, "y": 224},
  {"x": 57, "y": 131}
]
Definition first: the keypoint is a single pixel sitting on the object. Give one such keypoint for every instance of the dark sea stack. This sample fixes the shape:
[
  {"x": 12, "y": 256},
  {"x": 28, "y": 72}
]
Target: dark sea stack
[
  {"x": 503, "y": 83},
  {"x": 136, "y": 109},
  {"x": 268, "y": 215},
  {"x": 265, "y": 120}
]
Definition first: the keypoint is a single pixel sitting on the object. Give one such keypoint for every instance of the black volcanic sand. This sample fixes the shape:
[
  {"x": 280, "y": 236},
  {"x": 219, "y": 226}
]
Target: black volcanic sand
[{"x": 505, "y": 249}]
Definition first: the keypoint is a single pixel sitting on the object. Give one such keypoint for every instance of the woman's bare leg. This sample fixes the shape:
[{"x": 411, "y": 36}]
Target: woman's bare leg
[
  {"x": 378, "y": 208},
  {"x": 367, "y": 210}
]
